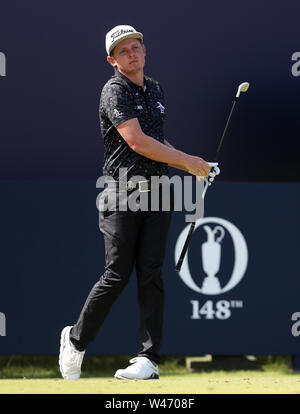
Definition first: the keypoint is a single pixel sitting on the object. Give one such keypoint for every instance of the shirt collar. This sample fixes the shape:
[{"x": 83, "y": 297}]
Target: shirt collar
[{"x": 120, "y": 75}]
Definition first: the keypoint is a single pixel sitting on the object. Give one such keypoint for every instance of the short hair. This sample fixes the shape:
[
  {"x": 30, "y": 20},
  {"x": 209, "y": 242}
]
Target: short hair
[{"x": 111, "y": 52}]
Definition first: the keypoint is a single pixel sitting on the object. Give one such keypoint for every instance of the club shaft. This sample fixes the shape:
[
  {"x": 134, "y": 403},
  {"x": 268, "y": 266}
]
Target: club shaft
[
  {"x": 189, "y": 236},
  {"x": 225, "y": 130}
]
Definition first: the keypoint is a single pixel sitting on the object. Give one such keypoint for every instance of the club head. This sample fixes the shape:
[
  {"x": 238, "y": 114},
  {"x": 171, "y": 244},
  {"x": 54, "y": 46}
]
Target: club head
[{"x": 242, "y": 88}]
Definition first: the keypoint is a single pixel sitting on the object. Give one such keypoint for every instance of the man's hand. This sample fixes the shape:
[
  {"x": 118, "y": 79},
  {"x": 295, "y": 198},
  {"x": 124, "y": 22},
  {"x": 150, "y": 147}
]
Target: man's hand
[
  {"x": 188, "y": 163},
  {"x": 197, "y": 166}
]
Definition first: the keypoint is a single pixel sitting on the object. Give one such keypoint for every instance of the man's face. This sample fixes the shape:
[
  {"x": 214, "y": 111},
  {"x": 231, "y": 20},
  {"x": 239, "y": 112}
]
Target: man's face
[{"x": 128, "y": 56}]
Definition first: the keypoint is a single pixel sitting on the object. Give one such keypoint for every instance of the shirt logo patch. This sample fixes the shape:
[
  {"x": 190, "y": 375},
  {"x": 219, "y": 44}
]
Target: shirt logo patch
[
  {"x": 139, "y": 107},
  {"x": 161, "y": 108},
  {"x": 117, "y": 113}
]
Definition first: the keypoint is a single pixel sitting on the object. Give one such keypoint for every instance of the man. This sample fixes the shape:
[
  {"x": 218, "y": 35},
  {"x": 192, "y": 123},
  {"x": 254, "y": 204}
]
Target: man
[{"x": 132, "y": 111}]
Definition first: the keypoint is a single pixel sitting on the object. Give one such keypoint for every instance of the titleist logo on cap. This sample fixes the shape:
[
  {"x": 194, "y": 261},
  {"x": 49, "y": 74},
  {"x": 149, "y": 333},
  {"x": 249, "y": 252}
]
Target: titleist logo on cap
[{"x": 119, "y": 33}]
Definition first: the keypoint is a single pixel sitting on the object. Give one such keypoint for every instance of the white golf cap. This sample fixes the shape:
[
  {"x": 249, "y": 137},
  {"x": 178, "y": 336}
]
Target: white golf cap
[{"x": 119, "y": 33}]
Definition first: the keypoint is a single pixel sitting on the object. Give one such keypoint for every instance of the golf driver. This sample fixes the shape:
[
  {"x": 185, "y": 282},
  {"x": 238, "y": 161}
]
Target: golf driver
[{"x": 243, "y": 87}]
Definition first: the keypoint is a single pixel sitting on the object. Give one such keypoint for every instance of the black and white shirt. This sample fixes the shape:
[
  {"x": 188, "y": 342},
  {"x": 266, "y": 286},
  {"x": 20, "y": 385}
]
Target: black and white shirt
[{"x": 120, "y": 101}]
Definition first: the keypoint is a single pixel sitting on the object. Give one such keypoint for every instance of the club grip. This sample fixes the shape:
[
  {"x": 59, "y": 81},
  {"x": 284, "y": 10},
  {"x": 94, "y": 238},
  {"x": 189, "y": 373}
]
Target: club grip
[{"x": 185, "y": 247}]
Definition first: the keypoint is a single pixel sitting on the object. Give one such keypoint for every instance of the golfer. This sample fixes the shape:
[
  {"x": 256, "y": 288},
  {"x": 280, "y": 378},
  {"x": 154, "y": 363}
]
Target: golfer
[{"x": 132, "y": 112}]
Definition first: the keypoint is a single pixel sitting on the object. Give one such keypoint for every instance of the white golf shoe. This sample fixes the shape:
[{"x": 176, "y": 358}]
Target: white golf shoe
[
  {"x": 141, "y": 369},
  {"x": 70, "y": 359}
]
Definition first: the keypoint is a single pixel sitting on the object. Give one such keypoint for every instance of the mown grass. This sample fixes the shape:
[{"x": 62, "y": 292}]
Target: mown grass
[
  {"x": 14, "y": 367},
  {"x": 41, "y": 375},
  {"x": 193, "y": 383}
]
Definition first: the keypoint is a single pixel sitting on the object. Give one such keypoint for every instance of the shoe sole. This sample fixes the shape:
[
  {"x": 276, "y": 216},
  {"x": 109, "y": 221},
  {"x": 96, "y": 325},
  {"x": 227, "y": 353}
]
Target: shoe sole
[
  {"x": 62, "y": 347},
  {"x": 153, "y": 377}
]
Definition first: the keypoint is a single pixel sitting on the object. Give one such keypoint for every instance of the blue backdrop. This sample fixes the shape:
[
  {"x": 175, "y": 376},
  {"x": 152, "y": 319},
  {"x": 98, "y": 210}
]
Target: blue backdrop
[
  {"x": 52, "y": 253},
  {"x": 52, "y": 69}
]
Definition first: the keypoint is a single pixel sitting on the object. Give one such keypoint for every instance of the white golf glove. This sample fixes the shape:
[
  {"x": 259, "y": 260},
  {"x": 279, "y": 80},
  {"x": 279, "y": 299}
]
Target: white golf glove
[{"x": 214, "y": 170}]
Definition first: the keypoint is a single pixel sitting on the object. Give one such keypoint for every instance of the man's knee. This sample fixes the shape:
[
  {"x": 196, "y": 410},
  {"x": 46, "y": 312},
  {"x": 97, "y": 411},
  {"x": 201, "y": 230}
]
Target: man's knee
[{"x": 113, "y": 280}]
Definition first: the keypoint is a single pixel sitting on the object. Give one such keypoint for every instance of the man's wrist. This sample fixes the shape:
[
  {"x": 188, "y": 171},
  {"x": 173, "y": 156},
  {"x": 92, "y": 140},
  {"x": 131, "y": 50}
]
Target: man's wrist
[{"x": 182, "y": 160}]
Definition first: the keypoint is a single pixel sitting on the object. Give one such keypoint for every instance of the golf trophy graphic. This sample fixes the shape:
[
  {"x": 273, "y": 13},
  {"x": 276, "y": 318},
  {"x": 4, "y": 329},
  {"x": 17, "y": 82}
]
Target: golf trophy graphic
[{"x": 211, "y": 257}]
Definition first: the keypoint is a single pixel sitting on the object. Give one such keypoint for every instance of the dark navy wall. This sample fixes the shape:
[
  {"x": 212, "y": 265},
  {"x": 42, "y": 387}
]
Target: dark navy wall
[
  {"x": 51, "y": 156},
  {"x": 199, "y": 51},
  {"x": 52, "y": 253}
]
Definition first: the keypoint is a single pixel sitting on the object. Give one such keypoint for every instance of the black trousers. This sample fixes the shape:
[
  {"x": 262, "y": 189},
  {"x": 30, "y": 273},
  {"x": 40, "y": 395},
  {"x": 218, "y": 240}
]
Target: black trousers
[{"x": 131, "y": 239}]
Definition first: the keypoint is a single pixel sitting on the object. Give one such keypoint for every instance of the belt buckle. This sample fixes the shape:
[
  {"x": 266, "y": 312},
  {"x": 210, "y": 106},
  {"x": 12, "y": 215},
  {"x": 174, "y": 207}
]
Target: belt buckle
[
  {"x": 140, "y": 189},
  {"x": 130, "y": 185}
]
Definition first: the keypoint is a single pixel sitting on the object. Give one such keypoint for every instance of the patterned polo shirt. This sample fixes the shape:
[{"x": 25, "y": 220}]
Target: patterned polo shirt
[{"x": 120, "y": 101}]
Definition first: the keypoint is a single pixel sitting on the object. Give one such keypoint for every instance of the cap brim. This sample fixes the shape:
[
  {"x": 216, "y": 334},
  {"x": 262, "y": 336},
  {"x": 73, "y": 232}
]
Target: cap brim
[{"x": 136, "y": 35}]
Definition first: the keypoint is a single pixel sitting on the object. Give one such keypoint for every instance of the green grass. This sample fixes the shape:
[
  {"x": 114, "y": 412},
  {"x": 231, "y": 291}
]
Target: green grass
[
  {"x": 34, "y": 375},
  {"x": 30, "y": 367}
]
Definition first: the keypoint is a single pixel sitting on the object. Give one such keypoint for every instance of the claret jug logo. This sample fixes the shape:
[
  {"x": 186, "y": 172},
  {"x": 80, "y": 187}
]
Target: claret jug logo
[{"x": 210, "y": 253}]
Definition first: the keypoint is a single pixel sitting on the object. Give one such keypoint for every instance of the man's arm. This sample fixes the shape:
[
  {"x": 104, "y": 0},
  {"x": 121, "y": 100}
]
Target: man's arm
[
  {"x": 173, "y": 165},
  {"x": 148, "y": 147},
  {"x": 168, "y": 144}
]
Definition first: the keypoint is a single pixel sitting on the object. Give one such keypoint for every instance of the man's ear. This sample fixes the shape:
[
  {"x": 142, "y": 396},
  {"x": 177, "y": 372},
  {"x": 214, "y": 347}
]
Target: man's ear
[
  {"x": 111, "y": 61},
  {"x": 144, "y": 47}
]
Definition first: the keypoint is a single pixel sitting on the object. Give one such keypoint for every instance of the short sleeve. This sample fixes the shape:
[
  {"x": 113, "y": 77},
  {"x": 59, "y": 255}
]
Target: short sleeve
[{"x": 117, "y": 103}]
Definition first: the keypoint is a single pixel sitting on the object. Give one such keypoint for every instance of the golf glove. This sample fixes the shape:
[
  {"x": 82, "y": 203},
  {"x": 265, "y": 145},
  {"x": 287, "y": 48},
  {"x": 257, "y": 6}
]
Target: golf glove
[{"x": 215, "y": 170}]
